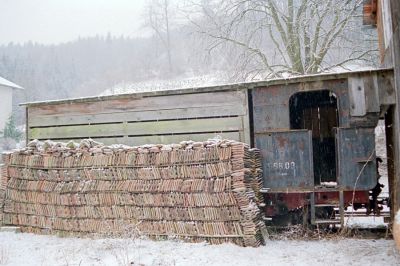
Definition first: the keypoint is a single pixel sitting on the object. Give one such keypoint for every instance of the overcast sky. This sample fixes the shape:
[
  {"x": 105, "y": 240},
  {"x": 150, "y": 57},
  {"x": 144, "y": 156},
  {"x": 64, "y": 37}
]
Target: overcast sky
[{"x": 55, "y": 21}]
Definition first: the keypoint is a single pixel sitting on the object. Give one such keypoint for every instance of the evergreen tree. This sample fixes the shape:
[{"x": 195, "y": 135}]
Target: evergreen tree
[{"x": 11, "y": 131}]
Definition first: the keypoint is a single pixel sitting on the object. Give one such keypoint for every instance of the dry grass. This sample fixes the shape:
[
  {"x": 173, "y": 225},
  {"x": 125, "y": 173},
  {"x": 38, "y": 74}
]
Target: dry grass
[
  {"x": 299, "y": 232},
  {"x": 124, "y": 250}
]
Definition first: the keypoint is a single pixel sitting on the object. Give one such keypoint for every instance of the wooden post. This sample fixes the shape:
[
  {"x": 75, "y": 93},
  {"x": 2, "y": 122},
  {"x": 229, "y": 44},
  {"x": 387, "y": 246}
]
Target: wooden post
[
  {"x": 341, "y": 208},
  {"x": 395, "y": 14},
  {"x": 312, "y": 206},
  {"x": 26, "y": 126}
]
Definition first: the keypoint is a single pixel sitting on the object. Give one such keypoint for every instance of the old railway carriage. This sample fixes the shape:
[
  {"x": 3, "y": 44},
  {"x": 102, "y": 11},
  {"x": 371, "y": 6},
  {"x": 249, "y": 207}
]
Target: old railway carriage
[{"x": 316, "y": 133}]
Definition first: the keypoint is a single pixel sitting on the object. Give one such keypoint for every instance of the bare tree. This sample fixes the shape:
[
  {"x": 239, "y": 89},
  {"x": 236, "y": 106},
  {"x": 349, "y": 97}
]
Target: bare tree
[
  {"x": 158, "y": 18},
  {"x": 276, "y": 37}
]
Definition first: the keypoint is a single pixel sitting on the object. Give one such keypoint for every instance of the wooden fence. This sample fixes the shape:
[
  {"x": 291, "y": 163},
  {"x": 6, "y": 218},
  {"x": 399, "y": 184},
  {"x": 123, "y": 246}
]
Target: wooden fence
[{"x": 137, "y": 120}]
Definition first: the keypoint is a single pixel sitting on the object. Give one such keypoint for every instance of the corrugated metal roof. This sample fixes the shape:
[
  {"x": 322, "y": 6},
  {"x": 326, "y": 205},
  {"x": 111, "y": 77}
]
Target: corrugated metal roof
[{"x": 7, "y": 83}]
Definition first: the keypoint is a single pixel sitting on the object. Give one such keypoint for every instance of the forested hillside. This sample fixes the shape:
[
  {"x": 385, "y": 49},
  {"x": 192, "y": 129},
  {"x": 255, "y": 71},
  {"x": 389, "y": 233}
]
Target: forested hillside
[{"x": 217, "y": 39}]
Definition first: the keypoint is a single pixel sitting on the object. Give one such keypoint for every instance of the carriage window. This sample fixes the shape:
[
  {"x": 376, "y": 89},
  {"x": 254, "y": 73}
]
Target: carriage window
[{"x": 318, "y": 111}]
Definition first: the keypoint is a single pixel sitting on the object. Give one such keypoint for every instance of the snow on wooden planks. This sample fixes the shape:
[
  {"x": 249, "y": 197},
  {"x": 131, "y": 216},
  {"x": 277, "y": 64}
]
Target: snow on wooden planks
[{"x": 193, "y": 190}]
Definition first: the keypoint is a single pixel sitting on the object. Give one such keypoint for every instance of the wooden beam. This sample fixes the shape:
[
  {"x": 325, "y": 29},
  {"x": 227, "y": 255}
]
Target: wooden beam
[
  {"x": 131, "y": 116},
  {"x": 357, "y": 96},
  {"x": 395, "y": 14},
  {"x": 139, "y": 128},
  {"x": 229, "y": 98}
]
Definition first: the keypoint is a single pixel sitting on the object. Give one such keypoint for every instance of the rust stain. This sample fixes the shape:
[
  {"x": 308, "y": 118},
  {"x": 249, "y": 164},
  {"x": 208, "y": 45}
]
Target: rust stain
[
  {"x": 282, "y": 141},
  {"x": 274, "y": 91},
  {"x": 301, "y": 145}
]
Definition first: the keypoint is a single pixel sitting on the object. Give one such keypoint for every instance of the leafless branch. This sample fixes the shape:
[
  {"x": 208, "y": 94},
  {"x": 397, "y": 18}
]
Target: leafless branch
[{"x": 292, "y": 36}]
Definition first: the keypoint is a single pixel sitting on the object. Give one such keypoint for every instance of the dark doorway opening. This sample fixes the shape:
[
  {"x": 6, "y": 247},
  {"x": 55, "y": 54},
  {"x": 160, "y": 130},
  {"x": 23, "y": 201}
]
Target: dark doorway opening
[
  {"x": 390, "y": 153},
  {"x": 318, "y": 111}
]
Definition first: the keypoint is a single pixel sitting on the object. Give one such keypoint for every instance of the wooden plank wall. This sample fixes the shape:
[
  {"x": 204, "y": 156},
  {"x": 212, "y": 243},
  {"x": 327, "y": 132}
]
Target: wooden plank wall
[{"x": 137, "y": 121}]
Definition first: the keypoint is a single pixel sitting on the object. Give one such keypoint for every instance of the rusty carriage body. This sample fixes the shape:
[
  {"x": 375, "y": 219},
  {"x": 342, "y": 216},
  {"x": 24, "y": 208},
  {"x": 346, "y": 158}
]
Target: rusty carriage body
[{"x": 316, "y": 133}]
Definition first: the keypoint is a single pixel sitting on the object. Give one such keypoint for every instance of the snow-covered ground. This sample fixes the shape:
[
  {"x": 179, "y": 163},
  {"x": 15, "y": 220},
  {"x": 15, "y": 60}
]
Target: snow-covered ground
[
  {"x": 29, "y": 249},
  {"x": 365, "y": 222}
]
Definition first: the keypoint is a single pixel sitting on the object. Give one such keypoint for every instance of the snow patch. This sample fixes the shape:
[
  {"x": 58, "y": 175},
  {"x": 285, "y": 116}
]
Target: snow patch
[{"x": 329, "y": 184}]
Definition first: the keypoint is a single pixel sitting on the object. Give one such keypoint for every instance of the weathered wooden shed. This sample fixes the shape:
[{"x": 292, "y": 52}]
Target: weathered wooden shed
[{"x": 311, "y": 129}]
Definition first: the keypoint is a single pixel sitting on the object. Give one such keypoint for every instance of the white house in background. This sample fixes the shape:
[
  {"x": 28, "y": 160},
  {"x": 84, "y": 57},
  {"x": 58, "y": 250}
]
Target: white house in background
[{"x": 6, "y": 90}]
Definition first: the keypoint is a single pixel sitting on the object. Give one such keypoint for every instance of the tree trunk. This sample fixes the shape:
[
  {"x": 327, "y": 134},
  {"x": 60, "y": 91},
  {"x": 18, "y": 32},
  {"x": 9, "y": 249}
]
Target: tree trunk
[{"x": 168, "y": 36}]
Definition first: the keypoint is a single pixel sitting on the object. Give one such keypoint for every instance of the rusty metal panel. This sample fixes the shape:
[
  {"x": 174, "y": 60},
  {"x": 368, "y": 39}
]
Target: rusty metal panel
[
  {"x": 287, "y": 160},
  {"x": 271, "y": 107},
  {"x": 356, "y": 158},
  {"x": 271, "y": 117}
]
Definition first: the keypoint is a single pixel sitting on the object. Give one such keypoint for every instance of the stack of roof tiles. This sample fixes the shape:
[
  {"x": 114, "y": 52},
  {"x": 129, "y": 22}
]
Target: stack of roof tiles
[{"x": 193, "y": 190}]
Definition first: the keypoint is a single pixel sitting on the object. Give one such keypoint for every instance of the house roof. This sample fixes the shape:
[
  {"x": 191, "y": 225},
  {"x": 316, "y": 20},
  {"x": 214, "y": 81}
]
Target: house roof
[{"x": 7, "y": 83}]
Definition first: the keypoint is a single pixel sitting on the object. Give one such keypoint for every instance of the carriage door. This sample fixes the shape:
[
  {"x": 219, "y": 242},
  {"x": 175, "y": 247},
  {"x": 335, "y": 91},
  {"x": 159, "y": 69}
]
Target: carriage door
[
  {"x": 287, "y": 160},
  {"x": 317, "y": 111},
  {"x": 356, "y": 161}
]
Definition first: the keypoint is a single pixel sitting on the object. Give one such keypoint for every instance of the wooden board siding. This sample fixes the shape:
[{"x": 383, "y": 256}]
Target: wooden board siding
[
  {"x": 225, "y": 98},
  {"x": 136, "y": 121},
  {"x": 163, "y": 138},
  {"x": 133, "y": 116},
  {"x": 140, "y": 128}
]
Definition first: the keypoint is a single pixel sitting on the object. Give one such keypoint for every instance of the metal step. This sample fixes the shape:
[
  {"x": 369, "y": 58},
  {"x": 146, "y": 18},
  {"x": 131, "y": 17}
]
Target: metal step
[
  {"x": 327, "y": 221},
  {"x": 327, "y": 205},
  {"x": 363, "y": 214},
  {"x": 339, "y": 205}
]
